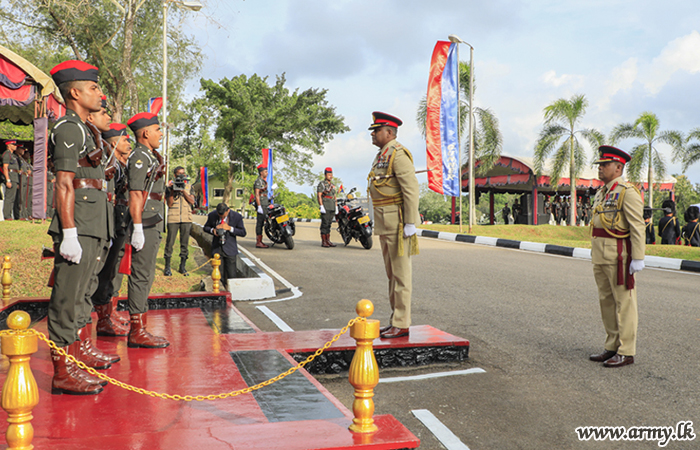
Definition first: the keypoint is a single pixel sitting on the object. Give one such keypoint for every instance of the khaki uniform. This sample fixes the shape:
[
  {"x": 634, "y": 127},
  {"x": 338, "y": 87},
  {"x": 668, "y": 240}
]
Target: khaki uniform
[
  {"x": 617, "y": 238},
  {"x": 69, "y": 144},
  {"x": 327, "y": 190},
  {"x": 395, "y": 202},
  {"x": 179, "y": 220}
]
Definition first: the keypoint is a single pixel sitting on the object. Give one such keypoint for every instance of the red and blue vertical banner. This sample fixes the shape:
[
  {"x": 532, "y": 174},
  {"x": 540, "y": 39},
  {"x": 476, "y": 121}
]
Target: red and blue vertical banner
[
  {"x": 267, "y": 162},
  {"x": 154, "y": 105},
  {"x": 204, "y": 181},
  {"x": 442, "y": 121}
]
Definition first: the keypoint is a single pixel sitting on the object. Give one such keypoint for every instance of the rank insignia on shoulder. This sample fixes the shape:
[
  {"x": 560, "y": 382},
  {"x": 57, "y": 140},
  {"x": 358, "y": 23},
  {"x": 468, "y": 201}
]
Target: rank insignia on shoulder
[{"x": 139, "y": 164}]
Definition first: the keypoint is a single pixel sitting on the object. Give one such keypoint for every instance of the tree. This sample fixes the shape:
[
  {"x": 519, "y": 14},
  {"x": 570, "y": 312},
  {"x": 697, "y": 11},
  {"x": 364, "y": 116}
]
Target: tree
[
  {"x": 488, "y": 141},
  {"x": 252, "y": 115},
  {"x": 691, "y": 153},
  {"x": 433, "y": 206},
  {"x": 561, "y": 119},
  {"x": 646, "y": 127},
  {"x": 120, "y": 37}
]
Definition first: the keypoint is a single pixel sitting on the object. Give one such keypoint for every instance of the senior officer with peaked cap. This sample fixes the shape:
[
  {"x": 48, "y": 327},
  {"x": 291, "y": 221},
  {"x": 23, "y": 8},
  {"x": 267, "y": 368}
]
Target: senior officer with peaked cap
[
  {"x": 617, "y": 253},
  {"x": 393, "y": 187}
]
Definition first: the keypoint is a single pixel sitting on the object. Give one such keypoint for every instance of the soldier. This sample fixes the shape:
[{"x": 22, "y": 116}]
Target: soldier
[
  {"x": 146, "y": 187},
  {"x": 11, "y": 169},
  {"x": 393, "y": 188},
  {"x": 557, "y": 210},
  {"x": 325, "y": 193},
  {"x": 669, "y": 228},
  {"x": 79, "y": 225},
  {"x": 517, "y": 211},
  {"x": 617, "y": 253},
  {"x": 649, "y": 226},
  {"x": 261, "y": 204},
  {"x": 505, "y": 212},
  {"x": 691, "y": 230},
  {"x": 25, "y": 184}
]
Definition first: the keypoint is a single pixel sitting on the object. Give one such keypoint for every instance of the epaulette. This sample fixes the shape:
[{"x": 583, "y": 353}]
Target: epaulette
[
  {"x": 629, "y": 185},
  {"x": 401, "y": 147}
]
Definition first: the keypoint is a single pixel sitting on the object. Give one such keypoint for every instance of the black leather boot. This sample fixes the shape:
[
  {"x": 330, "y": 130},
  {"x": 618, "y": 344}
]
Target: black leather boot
[
  {"x": 167, "y": 271},
  {"x": 182, "y": 268}
]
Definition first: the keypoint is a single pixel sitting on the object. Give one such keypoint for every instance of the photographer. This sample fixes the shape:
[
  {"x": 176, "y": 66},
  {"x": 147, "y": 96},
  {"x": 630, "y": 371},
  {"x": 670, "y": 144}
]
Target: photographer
[
  {"x": 180, "y": 202},
  {"x": 225, "y": 225}
]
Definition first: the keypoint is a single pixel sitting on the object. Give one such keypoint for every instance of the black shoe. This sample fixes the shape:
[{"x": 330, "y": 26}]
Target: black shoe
[
  {"x": 166, "y": 270},
  {"x": 600, "y": 357},
  {"x": 182, "y": 268}
]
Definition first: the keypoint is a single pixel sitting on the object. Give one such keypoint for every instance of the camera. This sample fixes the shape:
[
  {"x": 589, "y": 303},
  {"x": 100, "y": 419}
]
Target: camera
[
  {"x": 221, "y": 233},
  {"x": 179, "y": 182}
]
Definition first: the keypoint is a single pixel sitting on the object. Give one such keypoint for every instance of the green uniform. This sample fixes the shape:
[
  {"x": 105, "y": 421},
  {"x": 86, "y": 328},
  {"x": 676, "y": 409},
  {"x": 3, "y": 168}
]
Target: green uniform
[
  {"x": 11, "y": 205},
  {"x": 69, "y": 144},
  {"x": 25, "y": 190},
  {"x": 617, "y": 237},
  {"x": 327, "y": 191},
  {"x": 395, "y": 202},
  {"x": 261, "y": 183},
  {"x": 143, "y": 262}
]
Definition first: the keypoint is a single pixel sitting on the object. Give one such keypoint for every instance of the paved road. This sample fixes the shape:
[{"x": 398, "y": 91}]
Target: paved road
[{"x": 532, "y": 320}]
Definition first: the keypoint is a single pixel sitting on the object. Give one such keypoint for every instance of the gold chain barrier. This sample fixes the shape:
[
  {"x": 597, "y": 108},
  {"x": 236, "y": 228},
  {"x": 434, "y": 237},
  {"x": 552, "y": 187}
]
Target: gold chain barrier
[{"x": 20, "y": 393}]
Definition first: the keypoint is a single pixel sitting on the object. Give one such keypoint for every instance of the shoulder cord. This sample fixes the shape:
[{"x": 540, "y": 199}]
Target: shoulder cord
[{"x": 610, "y": 224}]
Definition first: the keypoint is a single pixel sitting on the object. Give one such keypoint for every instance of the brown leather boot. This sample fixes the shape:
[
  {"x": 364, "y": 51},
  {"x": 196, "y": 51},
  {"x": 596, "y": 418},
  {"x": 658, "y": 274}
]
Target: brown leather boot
[
  {"x": 259, "y": 243},
  {"x": 139, "y": 337},
  {"x": 121, "y": 317},
  {"x": 107, "y": 323},
  {"x": 80, "y": 353},
  {"x": 328, "y": 240},
  {"x": 67, "y": 378},
  {"x": 91, "y": 349},
  {"x": 324, "y": 241},
  {"x": 73, "y": 350}
]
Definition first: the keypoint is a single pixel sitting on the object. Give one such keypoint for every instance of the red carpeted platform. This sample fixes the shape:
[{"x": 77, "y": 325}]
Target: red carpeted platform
[{"x": 206, "y": 356}]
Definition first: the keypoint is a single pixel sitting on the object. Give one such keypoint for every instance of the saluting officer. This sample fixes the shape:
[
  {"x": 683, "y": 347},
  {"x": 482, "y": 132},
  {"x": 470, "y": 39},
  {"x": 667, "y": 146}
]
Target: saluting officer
[
  {"x": 261, "y": 204},
  {"x": 617, "y": 253},
  {"x": 393, "y": 187},
  {"x": 79, "y": 225},
  {"x": 11, "y": 168},
  {"x": 325, "y": 192},
  {"x": 144, "y": 171}
]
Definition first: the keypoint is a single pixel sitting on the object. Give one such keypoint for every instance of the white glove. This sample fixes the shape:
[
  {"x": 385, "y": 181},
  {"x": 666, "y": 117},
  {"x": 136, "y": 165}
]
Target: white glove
[
  {"x": 636, "y": 266},
  {"x": 137, "y": 237},
  {"x": 70, "y": 246},
  {"x": 409, "y": 230},
  {"x": 323, "y": 210},
  {"x": 336, "y": 209},
  {"x": 260, "y": 211}
]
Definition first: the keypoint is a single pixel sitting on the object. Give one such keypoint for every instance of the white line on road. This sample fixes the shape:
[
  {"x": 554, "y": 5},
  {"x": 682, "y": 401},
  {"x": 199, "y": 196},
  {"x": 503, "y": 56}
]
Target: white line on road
[
  {"x": 281, "y": 324},
  {"x": 432, "y": 375},
  {"x": 441, "y": 432},
  {"x": 296, "y": 293}
]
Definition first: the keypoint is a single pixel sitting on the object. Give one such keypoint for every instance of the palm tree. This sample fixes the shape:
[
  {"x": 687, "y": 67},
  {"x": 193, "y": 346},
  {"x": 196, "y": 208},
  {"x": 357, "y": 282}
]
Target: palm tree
[
  {"x": 488, "y": 141},
  {"x": 646, "y": 155},
  {"x": 560, "y": 121},
  {"x": 691, "y": 154}
]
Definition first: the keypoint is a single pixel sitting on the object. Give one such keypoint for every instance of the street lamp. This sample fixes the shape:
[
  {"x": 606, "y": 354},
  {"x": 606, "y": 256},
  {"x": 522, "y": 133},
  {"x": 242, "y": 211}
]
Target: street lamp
[
  {"x": 192, "y": 5},
  {"x": 472, "y": 208}
]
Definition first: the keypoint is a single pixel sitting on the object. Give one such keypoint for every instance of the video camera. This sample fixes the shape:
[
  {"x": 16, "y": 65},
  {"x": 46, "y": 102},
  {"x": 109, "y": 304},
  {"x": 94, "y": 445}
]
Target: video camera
[{"x": 179, "y": 182}]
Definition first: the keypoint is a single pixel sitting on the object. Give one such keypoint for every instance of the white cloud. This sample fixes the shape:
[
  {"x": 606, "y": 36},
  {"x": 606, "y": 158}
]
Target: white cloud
[
  {"x": 572, "y": 81},
  {"x": 681, "y": 54},
  {"x": 621, "y": 79}
]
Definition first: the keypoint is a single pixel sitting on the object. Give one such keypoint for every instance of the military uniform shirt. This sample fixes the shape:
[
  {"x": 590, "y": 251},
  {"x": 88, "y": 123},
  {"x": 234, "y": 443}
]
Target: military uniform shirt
[
  {"x": 139, "y": 163},
  {"x": 70, "y": 141},
  {"x": 261, "y": 183},
  {"x": 12, "y": 162},
  {"x": 327, "y": 189}
]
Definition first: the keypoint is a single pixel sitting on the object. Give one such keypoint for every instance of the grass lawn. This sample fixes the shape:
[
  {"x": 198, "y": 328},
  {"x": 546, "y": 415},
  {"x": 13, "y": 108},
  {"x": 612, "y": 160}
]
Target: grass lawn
[
  {"x": 22, "y": 241},
  {"x": 559, "y": 235}
]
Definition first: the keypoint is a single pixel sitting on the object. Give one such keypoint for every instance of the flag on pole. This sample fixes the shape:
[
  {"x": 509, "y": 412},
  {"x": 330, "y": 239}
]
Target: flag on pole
[
  {"x": 441, "y": 125},
  {"x": 204, "y": 181},
  {"x": 267, "y": 162},
  {"x": 154, "y": 105}
]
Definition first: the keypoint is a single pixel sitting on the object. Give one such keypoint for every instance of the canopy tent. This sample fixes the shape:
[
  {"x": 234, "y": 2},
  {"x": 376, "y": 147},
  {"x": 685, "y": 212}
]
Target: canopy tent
[
  {"x": 516, "y": 175},
  {"x": 30, "y": 97}
]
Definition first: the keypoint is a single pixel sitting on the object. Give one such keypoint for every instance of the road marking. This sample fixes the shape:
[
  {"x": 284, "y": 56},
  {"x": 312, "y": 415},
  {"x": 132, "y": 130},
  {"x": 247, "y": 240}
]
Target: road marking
[
  {"x": 432, "y": 375},
  {"x": 446, "y": 437},
  {"x": 281, "y": 324},
  {"x": 296, "y": 293}
]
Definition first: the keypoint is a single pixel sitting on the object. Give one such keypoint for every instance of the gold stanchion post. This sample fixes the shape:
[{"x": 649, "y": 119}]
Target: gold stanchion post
[
  {"x": 19, "y": 393},
  {"x": 364, "y": 372},
  {"x": 6, "y": 279},
  {"x": 216, "y": 273}
]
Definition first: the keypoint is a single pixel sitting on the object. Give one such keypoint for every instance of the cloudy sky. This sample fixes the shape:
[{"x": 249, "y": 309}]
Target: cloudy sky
[{"x": 627, "y": 57}]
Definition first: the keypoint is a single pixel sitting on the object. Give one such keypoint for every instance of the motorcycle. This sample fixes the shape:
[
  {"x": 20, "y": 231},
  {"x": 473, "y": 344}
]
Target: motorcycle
[
  {"x": 278, "y": 227},
  {"x": 353, "y": 223}
]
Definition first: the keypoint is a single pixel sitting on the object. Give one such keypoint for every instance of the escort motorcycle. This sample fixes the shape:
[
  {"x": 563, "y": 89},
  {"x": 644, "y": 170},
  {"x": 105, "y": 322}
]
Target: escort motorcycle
[
  {"x": 278, "y": 226},
  {"x": 353, "y": 223}
]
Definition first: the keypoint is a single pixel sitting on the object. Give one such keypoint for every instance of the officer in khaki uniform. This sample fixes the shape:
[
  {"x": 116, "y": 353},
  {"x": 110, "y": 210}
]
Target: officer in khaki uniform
[
  {"x": 617, "y": 252},
  {"x": 144, "y": 168},
  {"x": 393, "y": 187},
  {"x": 325, "y": 193}
]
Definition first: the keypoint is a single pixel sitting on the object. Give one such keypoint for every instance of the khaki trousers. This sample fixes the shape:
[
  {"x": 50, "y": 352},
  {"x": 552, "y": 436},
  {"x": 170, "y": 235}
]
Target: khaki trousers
[
  {"x": 399, "y": 272},
  {"x": 618, "y": 307}
]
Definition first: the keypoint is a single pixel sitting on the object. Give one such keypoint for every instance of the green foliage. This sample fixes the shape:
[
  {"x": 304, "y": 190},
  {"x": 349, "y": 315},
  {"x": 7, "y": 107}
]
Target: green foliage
[
  {"x": 690, "y": 154},
  {"x": 434, "y": 207},
  {"x": 9, "y": 130},
  {"x": 253, "y": 115},
  {"x": 304, "y": 212}
]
